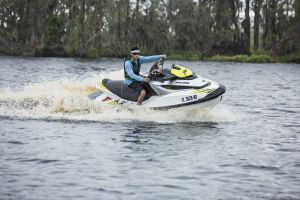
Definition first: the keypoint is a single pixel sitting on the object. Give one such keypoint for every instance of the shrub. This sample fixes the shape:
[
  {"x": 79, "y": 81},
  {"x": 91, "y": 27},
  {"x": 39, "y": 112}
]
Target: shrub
[{"x": 244, "y": 58}]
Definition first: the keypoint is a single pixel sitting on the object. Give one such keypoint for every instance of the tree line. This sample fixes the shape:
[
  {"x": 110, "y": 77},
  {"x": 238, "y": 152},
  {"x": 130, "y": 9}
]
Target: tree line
[{"x": 96, "y": 28}]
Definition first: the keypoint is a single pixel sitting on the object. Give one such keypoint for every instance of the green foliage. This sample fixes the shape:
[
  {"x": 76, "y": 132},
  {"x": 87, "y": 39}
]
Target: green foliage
[
  {"x": 94, "y": 53},
  {"x": 184, "y": 56},
  {"x": 27, "y": 53},
  {"x": 98, "y": 53},
  {"x": 244, "y": 58},
  {"x": 175, "y": 27},
  {"x": 55, "y": 31},
  {"x": 262, "y": 51},
  {"x": 297, "y": 9},
  {"x": 260, "y": 59},
  {"x": 291, "y": 58}
]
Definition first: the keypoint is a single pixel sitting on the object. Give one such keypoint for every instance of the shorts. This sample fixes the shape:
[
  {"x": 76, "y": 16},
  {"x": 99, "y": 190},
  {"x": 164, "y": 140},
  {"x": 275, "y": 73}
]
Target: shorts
[{"x": 139, "y": 86}]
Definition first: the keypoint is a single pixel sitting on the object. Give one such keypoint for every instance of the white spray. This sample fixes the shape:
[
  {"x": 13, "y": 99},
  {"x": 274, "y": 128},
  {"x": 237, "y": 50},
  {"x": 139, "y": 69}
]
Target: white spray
[{"x": 68, "y": 99}]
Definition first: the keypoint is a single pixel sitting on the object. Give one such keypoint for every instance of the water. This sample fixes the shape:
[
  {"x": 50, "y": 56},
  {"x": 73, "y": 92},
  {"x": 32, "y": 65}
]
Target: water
[{"x": 55, "y": 143}]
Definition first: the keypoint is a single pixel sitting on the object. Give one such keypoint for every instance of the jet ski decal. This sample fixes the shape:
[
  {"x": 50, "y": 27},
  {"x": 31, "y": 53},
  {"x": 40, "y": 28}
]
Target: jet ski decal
[
  {"x": 189, "y": 98},
  {"x": 115, "y": 102},
  {"x": 202, "y": 91}
]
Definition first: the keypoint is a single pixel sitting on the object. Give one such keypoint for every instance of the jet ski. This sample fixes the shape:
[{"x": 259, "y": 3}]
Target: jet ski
[{"x": 170, "y": 88}]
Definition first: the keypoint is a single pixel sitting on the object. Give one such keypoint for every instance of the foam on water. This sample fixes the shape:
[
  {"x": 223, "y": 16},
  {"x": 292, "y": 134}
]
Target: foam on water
[{"x": 67, "y": 99}]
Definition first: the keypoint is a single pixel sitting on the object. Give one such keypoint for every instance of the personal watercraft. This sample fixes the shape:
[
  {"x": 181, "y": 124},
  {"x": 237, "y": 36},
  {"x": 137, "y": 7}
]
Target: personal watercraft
[{"x": 169, "y": 88}]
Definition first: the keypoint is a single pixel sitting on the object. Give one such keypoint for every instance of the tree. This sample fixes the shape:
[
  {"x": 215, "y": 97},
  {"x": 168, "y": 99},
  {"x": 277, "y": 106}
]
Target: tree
[
  {"x": 297, "y": 10},
  {"x": 110, "y": 28},
  {"x": 246, "y": 26},
  {"x": 257, "y": 17}
]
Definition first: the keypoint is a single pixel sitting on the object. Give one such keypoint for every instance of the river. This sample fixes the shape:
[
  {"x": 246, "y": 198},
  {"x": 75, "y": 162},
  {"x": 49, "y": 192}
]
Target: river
[{"x": 56, "y": 143}]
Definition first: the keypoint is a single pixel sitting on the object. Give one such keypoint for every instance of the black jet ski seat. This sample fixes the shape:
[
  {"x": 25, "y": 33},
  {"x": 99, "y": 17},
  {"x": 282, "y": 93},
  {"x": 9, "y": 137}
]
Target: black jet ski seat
[{"x": 119, "y": 88}]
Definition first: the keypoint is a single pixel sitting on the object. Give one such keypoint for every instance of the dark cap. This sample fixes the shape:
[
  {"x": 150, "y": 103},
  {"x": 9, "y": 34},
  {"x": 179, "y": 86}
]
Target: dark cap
[{"x": 135, "y": 48}]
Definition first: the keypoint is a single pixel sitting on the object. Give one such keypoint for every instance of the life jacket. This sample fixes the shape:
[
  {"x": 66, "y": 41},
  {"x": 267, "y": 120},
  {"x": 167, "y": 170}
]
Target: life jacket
[{"x": 136, "y": 66}]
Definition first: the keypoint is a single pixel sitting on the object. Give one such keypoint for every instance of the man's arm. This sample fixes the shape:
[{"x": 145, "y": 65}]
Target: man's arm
[
  {"x": 146, "y": 59},
  {"x": 128, "y": 68}
]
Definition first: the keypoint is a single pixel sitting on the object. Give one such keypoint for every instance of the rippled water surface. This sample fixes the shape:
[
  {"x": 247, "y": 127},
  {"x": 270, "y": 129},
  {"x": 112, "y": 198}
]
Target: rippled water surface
[{"x": 55, "y": 143}]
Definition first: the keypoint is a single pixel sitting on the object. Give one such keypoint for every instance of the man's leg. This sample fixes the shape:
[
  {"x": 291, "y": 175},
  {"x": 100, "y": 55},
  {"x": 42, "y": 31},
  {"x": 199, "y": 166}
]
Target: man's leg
[
  {"x": 141, "y": 97},
  {"x": 136, "y": 86},
  {"x": 149, "y": 90}
]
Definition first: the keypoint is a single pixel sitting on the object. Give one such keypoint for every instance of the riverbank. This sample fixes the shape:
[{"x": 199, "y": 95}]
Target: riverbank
[
  {"x": 254, "y": 58},
  {"x": 188, "y": 56}
]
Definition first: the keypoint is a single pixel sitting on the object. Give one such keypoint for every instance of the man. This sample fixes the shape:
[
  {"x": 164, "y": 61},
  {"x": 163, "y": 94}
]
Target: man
[{"x": 132, "y": 67}]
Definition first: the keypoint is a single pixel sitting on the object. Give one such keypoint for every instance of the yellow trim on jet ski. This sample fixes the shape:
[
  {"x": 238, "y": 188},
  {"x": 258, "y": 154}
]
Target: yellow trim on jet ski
[
  {"x": 181, "y": 72},
  {"x": 202, "y": 91},
  {"x": 112, "y": 102},
  {"x": 103, "y": 87}
]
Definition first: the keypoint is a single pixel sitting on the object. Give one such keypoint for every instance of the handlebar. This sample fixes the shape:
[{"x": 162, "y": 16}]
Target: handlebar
[{"x": 161, "y": 62}]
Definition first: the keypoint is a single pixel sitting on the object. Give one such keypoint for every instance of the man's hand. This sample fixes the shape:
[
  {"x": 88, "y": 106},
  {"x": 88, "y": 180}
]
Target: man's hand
[{"x": 146, "y": 80}]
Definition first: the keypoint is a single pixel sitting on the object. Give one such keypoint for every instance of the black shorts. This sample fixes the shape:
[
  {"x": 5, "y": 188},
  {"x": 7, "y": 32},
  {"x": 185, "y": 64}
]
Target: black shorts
[{"x": 139, "y": 86}]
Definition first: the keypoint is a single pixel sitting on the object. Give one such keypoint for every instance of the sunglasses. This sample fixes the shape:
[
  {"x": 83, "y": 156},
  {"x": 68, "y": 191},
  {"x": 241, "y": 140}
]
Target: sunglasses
[{"x": 135, "y": 53}]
